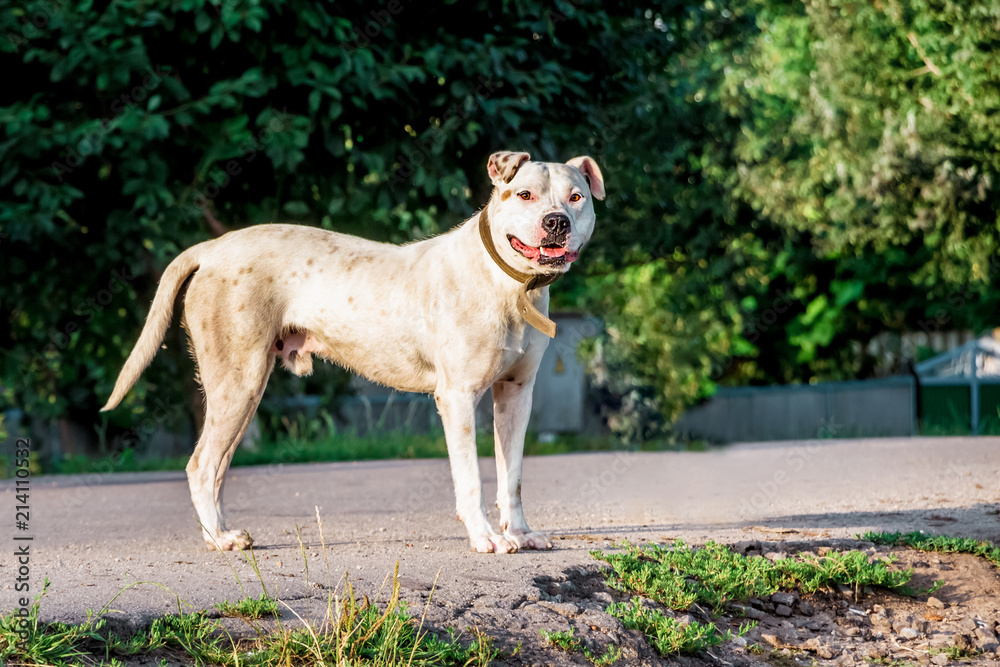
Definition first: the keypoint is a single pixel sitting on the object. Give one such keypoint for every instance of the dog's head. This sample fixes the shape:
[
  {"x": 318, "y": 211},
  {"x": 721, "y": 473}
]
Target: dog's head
[{"x": 542, "y": 213}]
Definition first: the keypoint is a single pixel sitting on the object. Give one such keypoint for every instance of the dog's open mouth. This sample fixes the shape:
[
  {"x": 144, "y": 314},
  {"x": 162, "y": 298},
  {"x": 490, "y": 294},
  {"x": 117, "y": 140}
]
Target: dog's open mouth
[{"x": 546, "y": 255}]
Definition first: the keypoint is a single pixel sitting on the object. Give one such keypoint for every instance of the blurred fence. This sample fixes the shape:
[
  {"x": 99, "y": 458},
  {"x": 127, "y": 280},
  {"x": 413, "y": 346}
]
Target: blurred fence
[{"x": 866, "y": 408}]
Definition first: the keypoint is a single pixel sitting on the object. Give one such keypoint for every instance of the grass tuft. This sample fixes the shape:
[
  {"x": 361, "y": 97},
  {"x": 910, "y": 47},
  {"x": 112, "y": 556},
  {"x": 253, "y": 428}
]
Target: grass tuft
[
  {"x": 250, "y": 608},
  {"x": 611, "y": 655},
  {"x": 958, "y": 653},
  {"x": 681, "y": 576},
  {"x": 564, "y": 639},
  {"x": 24, "y": 639},
  {"x": 667, "y": 634},
  {"x": 924, "y": 542},
  {"x": 568, "y": 641},
  {"x": 359, "y": 632}
]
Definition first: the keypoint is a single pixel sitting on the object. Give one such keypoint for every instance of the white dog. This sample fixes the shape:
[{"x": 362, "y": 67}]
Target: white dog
[{"x": 453, "y": 315}]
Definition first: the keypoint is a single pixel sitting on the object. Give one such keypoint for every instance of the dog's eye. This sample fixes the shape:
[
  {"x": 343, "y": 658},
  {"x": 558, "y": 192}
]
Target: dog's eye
[
  {"x": 524, "y": 195},
  {"x": 576, "y": 196}
]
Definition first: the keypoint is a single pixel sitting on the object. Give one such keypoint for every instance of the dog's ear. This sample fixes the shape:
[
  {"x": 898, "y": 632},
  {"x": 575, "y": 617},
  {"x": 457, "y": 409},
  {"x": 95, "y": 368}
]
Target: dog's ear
[
  {"x": 503, "y": 165},
  {"x": 591, "y": 172}
]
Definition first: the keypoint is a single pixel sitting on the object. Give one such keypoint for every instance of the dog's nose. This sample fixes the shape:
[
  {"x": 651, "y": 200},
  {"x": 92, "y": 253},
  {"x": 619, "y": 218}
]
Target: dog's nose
[{"x": 555, "y": 223}]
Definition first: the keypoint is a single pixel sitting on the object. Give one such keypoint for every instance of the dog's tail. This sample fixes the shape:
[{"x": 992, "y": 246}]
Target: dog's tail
[{"x": 157, "y": 322}]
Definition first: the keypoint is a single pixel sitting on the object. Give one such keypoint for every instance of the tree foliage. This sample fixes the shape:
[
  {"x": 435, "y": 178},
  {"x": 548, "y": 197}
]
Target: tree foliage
[
  {"x": 834, "y": 176},
  {"x": 785, "y": 180}
]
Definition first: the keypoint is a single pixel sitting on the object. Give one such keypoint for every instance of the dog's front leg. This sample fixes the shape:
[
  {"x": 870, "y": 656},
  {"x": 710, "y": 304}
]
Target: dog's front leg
[
  {"x": 511, "y": 410},
  {"x": 458, "y": 412}
]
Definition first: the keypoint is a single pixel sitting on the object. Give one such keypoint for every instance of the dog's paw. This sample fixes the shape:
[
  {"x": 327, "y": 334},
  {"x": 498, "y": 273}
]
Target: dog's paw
[
  {"x": 231, "y": 540},
  {"x": 493, "y": 543},
  {"x": 529, "y": 540}
]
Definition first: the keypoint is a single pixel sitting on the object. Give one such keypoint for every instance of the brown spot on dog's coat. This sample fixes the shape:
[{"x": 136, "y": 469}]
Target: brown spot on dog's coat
[
  {"x": 236, "y": 282},
  {"x": 309, "y": 262},
  {"x": 505, "y": 195},
  {"x": 350, "y": 299}
]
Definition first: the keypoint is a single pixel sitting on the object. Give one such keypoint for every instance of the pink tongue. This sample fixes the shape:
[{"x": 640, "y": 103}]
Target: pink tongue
[
  {"x": 525, "y": 250},
  {"x": 553, "y": 251}
]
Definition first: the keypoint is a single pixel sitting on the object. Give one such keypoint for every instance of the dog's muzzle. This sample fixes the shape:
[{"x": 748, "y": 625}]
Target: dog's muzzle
[{"x": 553, "y": 250}]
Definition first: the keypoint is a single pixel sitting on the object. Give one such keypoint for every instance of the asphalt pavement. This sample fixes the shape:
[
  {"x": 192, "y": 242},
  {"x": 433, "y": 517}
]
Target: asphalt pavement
[{"x": 96, "y": 537}]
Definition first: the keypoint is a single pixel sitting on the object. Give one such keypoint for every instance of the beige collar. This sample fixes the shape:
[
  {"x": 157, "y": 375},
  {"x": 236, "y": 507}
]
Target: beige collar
[{"x": 530, "y": 281}]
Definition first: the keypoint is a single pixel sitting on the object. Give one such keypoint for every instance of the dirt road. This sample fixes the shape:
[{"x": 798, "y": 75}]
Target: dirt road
[{"x": 93, "y": 535}]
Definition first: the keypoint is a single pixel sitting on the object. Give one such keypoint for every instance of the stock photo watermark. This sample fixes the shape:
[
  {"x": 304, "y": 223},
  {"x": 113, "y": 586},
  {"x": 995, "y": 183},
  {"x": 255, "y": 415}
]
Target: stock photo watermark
[
  {"x": 597, "y": 487},
  {"x": 120, "y": 107},
  {"x": 33, "y": 23},
  {"x": 22, "y": 536},
  {"x": 221, "y": 178},
  {"x": 794, "y": 462},
  {"x": 373, "y": 27},
  {"x": 85, "y": 311},
  {"x": 438, "y": 133}
]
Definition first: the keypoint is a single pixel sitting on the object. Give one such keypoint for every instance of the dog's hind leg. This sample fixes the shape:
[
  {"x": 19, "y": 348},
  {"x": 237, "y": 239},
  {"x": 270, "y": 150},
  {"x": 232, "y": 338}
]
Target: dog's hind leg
[
  {"x": 220, "y": 476},
  {"x": 231, "y": 396},
  {"x": 234, "y": 362}
]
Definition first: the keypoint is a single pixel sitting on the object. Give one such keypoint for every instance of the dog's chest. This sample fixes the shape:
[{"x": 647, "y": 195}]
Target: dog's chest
[{"x": 517, "y": 354}]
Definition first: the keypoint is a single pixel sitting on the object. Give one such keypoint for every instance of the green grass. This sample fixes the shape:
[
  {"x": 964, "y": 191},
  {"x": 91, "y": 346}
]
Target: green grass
[
  {"x": 353, "y": 632},
  {"x": 610, "y": 656},
  {"x": 668, "y": 635},
  {"x": 250, "y": 607},
  {"x": 680, "y": 576},
  {"x": 311, "y": 447},
  {"x": 568, "y": 641},
  {"x": 317, "y": 439},
  {"x": 44, "y": 644},
  {"x": 958, "y": 653},
  {"x": 397, "y": 445},
  {"x": 564, "y": 639},
  {"x": 924, "y": 542},
  {"x": 714, "y": 576}
]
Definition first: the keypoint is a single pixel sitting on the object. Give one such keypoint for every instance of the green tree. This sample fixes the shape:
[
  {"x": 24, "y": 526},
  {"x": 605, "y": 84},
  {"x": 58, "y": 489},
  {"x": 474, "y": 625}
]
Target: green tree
[
  {"x": 147, "y": 127},
  {"x": 829, "y": 174}
]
